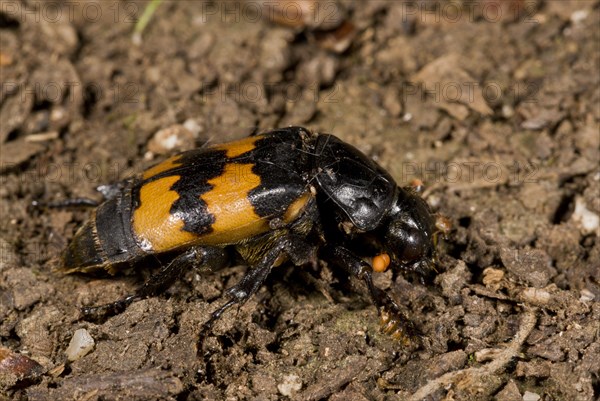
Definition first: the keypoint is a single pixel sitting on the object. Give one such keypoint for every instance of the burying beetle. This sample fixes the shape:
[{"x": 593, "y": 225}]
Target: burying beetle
[{"x": 285, "y": 195}]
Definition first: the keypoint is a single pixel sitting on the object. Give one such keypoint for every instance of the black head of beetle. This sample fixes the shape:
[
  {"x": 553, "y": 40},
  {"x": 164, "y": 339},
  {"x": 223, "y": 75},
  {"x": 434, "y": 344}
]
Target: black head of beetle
[
  {"x": 370, "y": 200},
  {"x": 409, "y": 233}
]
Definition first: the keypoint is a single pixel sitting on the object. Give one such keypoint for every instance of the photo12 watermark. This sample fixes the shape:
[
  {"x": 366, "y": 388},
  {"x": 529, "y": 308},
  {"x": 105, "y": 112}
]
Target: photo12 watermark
[
  {"x": 322, "y": 13},
  {"x": 31, "y": 251},
  {"x": 484, "y": 173},
  {"x": 65, "y": 92},
  {"x": 263, "y": 91},
  {"x": 468, "y": 92},
  {"x": 295, "y": 13},
  {"x": 54, "y": 12},
  {"x": 469, "y": 11},
  {"x": 65, "y": 173}
]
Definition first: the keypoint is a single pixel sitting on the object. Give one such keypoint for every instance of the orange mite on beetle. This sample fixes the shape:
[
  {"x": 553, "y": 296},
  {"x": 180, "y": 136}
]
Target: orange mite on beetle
[{"x": 287, "y": 195}]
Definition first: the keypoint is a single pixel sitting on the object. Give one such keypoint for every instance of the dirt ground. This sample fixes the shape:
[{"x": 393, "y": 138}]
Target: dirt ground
[{"x": 494, "y": 105}]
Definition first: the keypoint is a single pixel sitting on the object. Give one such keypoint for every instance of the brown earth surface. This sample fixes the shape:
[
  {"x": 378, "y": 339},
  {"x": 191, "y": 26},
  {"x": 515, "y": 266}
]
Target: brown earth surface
[{"x": 494, "y": 105}]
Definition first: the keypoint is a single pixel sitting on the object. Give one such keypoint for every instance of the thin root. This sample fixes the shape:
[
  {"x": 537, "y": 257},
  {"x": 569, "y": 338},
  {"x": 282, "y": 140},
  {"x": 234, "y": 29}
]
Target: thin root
[{"x": 451, "y": 379}]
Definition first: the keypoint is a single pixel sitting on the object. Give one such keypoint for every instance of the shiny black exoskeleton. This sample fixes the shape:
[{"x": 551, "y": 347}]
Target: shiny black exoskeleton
[{"x": 285, "y": 195}]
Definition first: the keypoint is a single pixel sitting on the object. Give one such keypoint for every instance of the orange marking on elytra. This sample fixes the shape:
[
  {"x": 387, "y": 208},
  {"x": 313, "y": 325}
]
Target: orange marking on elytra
[
  {"x": 227, "y": 201},
  {"x": 238, "y": 148},
  {"x": 156, "y": 228},
  {"x": 166, "y": 165}
]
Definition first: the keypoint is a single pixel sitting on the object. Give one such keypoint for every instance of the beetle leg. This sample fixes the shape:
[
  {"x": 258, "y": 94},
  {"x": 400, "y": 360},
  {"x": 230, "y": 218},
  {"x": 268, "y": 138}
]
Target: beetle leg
[
  {"x": 393, "y": 321},
  {"x": 296, "y": 249},
  {"x": 108, "y": 192},
  {"x": 241, "y": 292},
  {"x": 162, "y": 279}
]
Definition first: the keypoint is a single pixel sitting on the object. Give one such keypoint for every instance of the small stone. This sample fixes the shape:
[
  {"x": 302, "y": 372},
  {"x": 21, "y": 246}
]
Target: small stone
[
  {"x": 507, "y": 111},
  {"x": 587, "y": 220},
  {"x": 174, "y": 138},
  {"x": 192, "y": 125},
  {"x": 536, "y": 296},
  {"x": 534, "y": 124},
  {"x": 81, "y": 344},
  {"x": 510, "y": 392},
  {"x": 579, "y": 16},
  {"x": 586, "y": 295},
  {"x": 492, "y": 277},
  {"x": 529, "y": 396},
  {"x": 290, "y": 385}
]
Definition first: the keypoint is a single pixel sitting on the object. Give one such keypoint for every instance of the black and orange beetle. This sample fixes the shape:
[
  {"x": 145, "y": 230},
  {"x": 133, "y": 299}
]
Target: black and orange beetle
[{"x": 285, "y": 195}]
